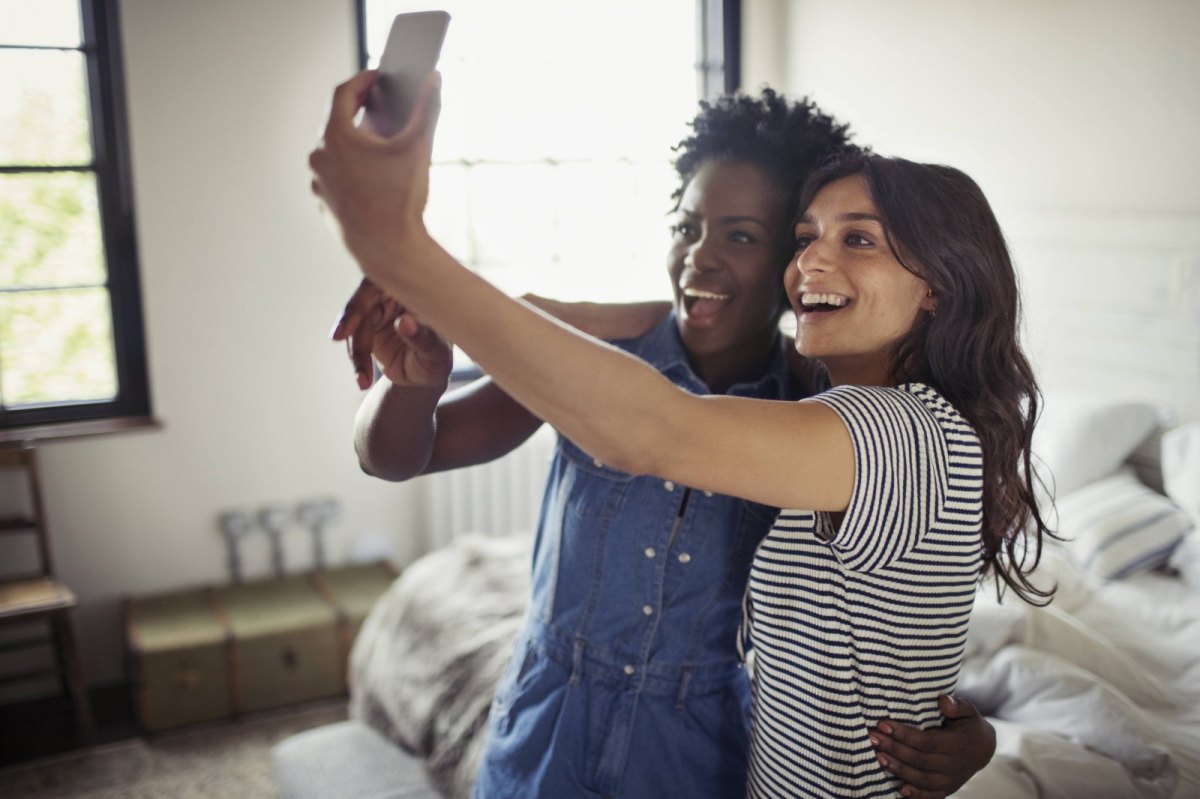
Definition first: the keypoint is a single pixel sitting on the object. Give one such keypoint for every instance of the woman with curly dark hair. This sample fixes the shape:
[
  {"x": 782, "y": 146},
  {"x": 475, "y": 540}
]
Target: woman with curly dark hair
[{"x": 625, "y": 680}]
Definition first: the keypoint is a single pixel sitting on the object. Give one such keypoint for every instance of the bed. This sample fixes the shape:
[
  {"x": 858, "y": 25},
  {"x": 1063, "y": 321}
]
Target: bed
[{"x": 1097, "y": 695}]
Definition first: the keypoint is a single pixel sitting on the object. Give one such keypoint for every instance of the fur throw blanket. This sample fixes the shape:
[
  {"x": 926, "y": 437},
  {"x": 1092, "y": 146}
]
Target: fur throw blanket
[{"x": 429, "y": 655}]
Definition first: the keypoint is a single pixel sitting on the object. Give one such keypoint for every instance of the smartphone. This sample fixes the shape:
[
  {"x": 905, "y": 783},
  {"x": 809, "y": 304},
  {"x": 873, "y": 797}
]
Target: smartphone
[{"x": 411, "y": 53}]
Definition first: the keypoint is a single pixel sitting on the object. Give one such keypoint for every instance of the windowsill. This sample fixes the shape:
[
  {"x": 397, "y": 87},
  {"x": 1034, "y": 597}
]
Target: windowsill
[{"x": 91, "y": 427}]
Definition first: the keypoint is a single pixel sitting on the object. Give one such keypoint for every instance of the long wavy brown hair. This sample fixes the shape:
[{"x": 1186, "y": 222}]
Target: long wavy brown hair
[{"x": 942, "y": 229}]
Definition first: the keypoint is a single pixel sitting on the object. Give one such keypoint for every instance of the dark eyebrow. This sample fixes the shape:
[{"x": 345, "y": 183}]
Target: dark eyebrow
[
  {"x": 853, "y": 216},
  {"x": 727, "y": 220}
]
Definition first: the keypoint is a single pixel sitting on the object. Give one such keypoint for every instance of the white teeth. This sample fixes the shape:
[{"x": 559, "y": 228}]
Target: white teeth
[
  {"x": 813, "y": 298},
  {"x": 703, "y": 295}
]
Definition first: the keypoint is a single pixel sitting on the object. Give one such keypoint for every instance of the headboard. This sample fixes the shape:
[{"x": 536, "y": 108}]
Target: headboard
[{"x": 1112, "y": 305}]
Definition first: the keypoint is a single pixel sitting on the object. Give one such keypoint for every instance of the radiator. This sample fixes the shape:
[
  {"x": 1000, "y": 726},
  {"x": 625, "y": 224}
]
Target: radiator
[{"x": 497, "y": 498}]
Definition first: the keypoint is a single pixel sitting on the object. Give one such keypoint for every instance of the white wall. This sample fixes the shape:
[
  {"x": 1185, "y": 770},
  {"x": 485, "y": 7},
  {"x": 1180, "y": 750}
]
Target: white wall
[
  {"x": 1079, "y": 118},
  {"x": 241, "y": 283}
]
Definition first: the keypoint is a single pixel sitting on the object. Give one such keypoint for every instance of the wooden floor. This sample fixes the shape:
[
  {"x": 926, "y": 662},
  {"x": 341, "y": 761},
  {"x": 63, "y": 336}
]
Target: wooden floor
[{"x": 41, "y": 727}]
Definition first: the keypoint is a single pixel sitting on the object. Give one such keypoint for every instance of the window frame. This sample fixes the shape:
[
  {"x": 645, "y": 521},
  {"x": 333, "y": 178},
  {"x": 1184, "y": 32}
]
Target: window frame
[
  {"x": 718, "y": 70},
  {"x": 131, "y": 407},
  {"x": 720, "y": 65}
]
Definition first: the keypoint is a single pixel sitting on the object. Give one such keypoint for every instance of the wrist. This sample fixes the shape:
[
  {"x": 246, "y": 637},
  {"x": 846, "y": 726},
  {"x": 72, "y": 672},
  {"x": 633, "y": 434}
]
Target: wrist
[
  {"x": 389, "y": 260},
  {"x": 431, "y": 391}
]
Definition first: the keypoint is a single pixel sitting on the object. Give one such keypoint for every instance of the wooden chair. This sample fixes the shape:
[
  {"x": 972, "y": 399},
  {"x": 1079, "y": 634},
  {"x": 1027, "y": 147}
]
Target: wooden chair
[{"x": 36, "y": 596}]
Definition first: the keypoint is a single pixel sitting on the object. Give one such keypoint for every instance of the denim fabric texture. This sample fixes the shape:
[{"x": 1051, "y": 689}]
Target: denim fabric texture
[{"x": 625, "y": 681}]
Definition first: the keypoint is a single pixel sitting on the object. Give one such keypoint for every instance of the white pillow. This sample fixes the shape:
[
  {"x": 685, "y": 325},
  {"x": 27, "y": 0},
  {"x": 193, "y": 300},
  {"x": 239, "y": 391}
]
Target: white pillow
[
  {"x": 1185, "y": 560},
  {"x": 1181, "y": 468},
  {"x": 1080, "y": 438},
  {"x": 1118, "y": 526}
]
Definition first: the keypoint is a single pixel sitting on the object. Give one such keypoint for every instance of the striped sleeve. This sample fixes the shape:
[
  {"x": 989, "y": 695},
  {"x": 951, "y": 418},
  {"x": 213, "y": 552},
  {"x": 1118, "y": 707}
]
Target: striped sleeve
[{"x": 900, "y": 476}]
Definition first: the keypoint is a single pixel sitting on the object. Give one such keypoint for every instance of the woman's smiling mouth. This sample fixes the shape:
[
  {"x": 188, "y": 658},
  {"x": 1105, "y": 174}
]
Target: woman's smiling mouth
[
  {"x": 822, "y": 302},
  {"x": 702, "y": 304}
]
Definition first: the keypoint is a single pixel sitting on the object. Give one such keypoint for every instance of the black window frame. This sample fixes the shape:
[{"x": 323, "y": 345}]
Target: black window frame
[
  {"x": 720, "y": 33},
  {"x": 101, "y": 48}
]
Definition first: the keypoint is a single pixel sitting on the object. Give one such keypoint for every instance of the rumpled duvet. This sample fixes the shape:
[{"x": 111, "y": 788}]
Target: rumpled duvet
[{"x": 1095, "y": 696}]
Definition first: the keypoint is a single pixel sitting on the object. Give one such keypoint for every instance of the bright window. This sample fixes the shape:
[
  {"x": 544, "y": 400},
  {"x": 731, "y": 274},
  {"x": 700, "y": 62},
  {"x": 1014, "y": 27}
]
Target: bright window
[
  {"x": 70, "y": 323},
  {"x": 552, "y": 166}
]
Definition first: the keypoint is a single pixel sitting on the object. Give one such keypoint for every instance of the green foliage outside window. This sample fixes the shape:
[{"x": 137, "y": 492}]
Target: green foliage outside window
[{"x": 56, "y": 338}]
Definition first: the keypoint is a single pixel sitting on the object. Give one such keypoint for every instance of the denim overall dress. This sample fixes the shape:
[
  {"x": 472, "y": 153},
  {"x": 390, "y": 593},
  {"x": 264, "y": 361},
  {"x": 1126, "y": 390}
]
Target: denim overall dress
[{"x": 625, "y": 680}]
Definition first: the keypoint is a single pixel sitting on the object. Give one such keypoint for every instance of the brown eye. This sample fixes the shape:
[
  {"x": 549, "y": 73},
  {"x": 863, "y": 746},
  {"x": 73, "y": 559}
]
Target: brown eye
[{"x": 683, "y": 230}]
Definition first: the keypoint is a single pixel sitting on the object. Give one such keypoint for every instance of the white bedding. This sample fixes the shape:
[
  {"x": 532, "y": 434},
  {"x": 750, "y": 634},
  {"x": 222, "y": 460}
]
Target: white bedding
[{"x": 1097, "y": 695}]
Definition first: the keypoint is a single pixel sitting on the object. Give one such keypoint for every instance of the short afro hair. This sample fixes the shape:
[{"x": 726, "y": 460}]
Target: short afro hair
[{"x": 788, "y": 140}]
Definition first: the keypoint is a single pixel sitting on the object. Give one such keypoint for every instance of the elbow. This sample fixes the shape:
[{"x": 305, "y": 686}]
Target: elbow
[
  {"x": 622, "y": 460},
  {"x": 391, "y": 469},
  {"x": 390, "y": 475},
  {"x": 637, "y": 451}
]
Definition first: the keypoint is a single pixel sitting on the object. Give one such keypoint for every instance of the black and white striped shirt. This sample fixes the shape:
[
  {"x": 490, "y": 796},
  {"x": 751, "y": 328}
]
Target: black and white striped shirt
[{"x": 866, "y": 621}]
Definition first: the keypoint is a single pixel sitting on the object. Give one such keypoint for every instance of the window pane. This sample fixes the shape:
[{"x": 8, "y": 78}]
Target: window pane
[
  {"x": 44, "y": 23},
  {"x": 512, "y": 215},
  {"x": 56, "y": 346},
  {"x": 612, "y": 239},
  {"x": 542, "y": 78},
  {"x": 446, "y": 212},
  {"x": 43, "y": 109},
  {"x": 49, "y": 230},
  {"x": 552, "y": 159}
]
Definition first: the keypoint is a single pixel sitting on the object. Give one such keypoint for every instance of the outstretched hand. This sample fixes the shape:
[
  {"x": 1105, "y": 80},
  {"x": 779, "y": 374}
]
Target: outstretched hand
[
  {"x": 935, "y": 763},
  {"x": 375, "y": 188},
  {"x": 377, "y": 329}
]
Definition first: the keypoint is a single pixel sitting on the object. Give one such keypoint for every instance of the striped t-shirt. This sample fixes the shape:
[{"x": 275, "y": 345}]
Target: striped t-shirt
[{"x": 866, "y": 621}]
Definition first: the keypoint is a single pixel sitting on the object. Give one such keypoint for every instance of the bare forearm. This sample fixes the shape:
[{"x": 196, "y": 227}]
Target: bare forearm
[{"x": 395, "y": 430}]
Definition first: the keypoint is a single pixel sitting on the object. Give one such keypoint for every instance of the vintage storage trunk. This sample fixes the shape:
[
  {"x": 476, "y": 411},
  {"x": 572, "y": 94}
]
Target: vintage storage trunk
[
  {"x": 179, "y": 658},
  {"x": 352, "y": 591},
  {"x": 211, "y": 653},
  {"x": 285, "y": 643}
]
